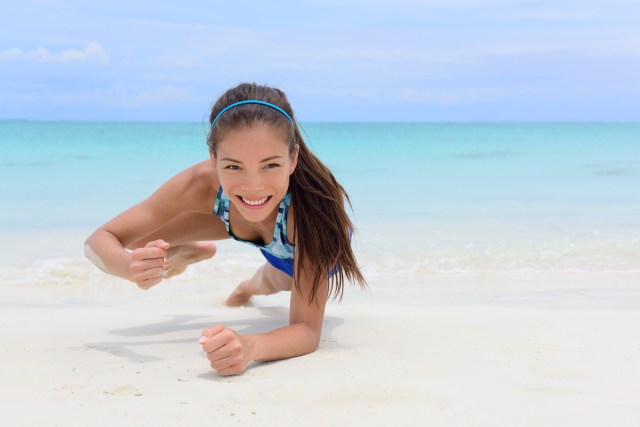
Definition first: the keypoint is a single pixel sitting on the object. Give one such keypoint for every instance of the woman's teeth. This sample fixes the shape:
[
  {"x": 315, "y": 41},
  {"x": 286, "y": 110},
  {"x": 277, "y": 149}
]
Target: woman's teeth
[{"x": 254, "y": 202}]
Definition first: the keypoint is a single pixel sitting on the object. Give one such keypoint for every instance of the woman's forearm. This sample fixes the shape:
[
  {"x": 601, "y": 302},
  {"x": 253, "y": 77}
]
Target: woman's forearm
[
  {"x": 106, "y": 252},
  {"x": 289, "y": 341}
]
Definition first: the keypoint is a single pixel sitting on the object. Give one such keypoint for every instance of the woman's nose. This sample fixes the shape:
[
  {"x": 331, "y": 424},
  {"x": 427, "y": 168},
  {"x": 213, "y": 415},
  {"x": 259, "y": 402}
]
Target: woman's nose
[{"x": 253, "y": 183}]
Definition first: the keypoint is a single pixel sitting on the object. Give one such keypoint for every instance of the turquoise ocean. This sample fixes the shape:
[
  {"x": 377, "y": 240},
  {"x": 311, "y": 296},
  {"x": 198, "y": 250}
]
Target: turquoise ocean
[{"x": 428, "y": 198}]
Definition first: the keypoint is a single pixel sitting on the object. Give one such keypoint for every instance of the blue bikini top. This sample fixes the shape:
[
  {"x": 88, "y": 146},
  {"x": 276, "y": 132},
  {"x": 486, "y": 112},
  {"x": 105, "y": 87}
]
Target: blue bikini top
[{"x": 279, "y": 245}]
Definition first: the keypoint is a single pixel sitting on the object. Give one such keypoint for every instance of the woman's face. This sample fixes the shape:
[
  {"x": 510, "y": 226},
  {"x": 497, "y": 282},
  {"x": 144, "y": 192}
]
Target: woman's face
[{"x": 254, "y": 166}]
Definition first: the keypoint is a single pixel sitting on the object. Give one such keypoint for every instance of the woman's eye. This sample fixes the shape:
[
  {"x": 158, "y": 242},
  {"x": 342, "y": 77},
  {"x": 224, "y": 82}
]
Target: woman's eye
[
  {"x": 272, "y": 165},
  {"x": 232, "y": 167}
]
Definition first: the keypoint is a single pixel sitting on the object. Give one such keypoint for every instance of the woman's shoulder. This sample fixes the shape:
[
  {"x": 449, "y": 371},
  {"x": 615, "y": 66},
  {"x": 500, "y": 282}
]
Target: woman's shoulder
[
  {"x": 203, "y": 177},
  {"x": 194, "y": 188}
]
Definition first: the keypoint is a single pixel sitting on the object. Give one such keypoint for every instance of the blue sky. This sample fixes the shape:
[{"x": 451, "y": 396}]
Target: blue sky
[{"x": 401, "y": 60}]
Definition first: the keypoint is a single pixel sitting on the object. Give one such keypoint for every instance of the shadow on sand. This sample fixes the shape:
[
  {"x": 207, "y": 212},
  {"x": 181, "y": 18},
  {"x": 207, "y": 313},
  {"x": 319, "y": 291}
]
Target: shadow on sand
[{"x": 191, "y": 325}]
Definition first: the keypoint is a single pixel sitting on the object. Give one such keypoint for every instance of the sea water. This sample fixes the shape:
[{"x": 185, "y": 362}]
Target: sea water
[{"x": 428, "y": 198}]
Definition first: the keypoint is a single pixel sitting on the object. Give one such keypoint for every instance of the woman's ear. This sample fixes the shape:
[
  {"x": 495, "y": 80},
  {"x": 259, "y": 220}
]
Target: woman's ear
[{"x": 294, "y": 159}]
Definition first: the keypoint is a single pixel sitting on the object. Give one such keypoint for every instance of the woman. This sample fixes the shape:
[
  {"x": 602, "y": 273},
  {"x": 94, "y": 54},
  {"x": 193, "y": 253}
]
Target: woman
[{"x": 265, "y": 188}]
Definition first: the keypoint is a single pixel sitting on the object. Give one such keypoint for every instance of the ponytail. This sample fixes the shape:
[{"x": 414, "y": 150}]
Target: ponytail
[{"x": 321, "y": 224}]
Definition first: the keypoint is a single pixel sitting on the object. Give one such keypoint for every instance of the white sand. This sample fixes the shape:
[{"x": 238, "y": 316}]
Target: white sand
[{"x": 83, "y": 349}]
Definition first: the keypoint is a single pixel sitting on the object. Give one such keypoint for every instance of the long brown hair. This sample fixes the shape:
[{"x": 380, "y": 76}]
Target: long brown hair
[{"x": 321, "y": 225}]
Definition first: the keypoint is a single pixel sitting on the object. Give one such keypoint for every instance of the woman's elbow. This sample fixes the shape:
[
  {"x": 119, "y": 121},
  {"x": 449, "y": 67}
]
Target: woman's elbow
[
  {"x": 315, "y": 335},
  {"x": 91, "y": 255}
]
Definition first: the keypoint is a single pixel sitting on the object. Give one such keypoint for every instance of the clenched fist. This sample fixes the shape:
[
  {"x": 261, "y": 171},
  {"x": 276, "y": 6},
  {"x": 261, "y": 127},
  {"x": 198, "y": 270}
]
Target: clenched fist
[
  {"x": 227, "y": 351},
  {"x": 147, "y": 263}
]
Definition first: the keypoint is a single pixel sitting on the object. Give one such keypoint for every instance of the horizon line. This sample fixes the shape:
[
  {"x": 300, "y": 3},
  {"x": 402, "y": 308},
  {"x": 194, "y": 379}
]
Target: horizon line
[{"x": 466, "y": 121}]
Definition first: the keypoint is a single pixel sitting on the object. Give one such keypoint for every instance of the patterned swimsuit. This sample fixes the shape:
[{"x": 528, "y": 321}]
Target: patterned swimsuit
[{"x": 279, "y": 252}]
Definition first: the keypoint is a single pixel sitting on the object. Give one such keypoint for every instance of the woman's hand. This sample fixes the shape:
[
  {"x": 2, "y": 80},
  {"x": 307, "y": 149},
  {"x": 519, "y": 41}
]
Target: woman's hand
[
  {"x": 227, "y": 351},
  {"x": 147, "y": 263}
]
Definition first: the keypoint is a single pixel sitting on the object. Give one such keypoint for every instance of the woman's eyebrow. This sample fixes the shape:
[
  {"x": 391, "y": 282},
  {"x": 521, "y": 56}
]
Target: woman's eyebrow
[
  {"x": 270, "y": 158},
  {"x": 261, "y": 161}
]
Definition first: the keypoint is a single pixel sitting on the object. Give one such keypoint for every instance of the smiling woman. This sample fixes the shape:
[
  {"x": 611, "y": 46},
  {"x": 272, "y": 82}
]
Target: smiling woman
[
  {"x": 258, "y": 179},
  {"x": 266, "y": 189}
]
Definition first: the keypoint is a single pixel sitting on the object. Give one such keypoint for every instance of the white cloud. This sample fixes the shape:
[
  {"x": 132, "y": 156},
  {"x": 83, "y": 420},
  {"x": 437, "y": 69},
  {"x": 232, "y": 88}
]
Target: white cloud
[
  {"x": 456, "y": 95},
  {"x": 624, "y": 45},
  {"x": 93, "y": 52},
  {"x": 162, "y": 95},
  {"x": 351, "y": 93},
  {"x": 123, "y": 96},
  {"x": 10, "y": 53}
]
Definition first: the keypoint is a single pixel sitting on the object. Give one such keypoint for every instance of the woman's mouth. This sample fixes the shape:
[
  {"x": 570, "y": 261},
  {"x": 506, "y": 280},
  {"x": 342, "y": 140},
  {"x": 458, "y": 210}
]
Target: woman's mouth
[{"x": 254, "y": 203}]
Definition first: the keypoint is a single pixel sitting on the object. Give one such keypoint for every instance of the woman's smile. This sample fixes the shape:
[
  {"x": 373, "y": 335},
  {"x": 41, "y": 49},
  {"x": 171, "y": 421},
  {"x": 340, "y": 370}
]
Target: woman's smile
[{"x": 252, "y": 203}]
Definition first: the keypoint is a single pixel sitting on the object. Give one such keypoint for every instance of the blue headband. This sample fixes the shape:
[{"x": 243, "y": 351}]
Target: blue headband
[{"x": 251, "y": 101}]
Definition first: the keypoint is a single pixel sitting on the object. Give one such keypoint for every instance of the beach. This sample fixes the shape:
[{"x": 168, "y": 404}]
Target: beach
[
  {"x": 81, "y": 348},
  {"x": 504, "y": 292},
  {"x": 376, "y": 365}
]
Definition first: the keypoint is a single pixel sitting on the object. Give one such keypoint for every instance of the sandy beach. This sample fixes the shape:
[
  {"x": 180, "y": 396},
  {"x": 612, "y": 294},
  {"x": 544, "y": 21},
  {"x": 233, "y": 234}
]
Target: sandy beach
[{"x": 81, "y": 348}]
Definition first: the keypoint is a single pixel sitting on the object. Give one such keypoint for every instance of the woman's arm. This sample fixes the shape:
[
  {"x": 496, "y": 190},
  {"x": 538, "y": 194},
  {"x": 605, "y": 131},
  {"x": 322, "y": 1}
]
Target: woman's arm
[
  {"x": 189, "y": 191},
  {"x": 230, "y": 353},
  {"x": 105, "y": 247},
  {"x": 302, "y": 335}
]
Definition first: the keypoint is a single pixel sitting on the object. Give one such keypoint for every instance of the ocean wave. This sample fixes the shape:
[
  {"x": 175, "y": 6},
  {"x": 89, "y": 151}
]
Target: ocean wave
[
  {"x": 499, "y": 262},
  {"x": 74, "y": 271},
  {"x": 231, "y": 268}
]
